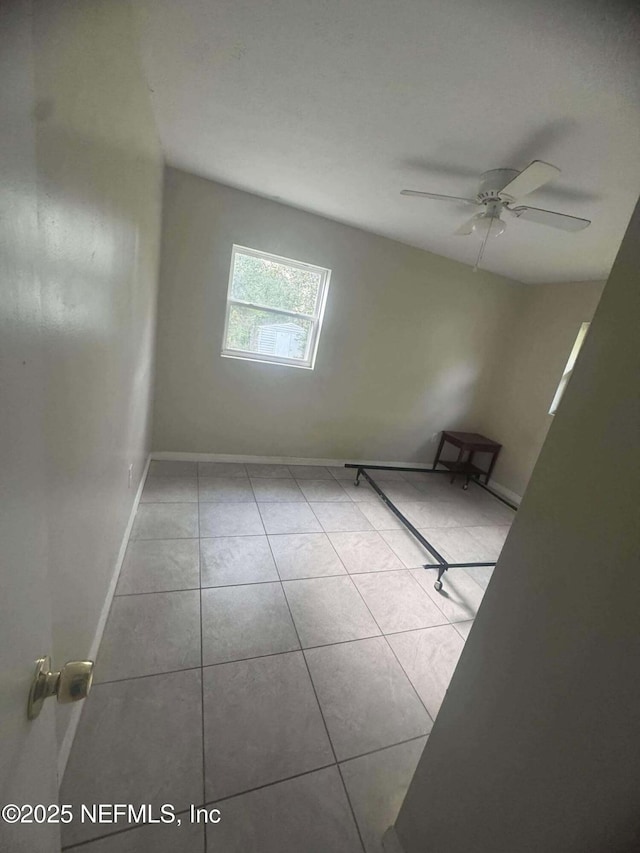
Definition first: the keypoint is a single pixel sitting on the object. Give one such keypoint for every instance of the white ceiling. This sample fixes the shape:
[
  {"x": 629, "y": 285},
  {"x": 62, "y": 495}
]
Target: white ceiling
[{"x": 334, "y": 106}]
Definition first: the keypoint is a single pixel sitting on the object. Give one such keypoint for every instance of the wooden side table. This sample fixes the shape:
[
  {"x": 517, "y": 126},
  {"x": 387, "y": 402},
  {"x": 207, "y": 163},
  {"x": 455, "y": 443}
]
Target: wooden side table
[{"x": 471, "y": 443}]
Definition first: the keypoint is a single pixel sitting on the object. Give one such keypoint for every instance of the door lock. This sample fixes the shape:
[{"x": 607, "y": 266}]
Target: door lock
[{"x": 72, "y": 683}]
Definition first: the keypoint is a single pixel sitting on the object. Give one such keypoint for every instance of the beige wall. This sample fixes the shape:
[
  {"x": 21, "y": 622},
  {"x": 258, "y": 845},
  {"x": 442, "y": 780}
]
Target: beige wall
[
  {"x": 534, "y": 351},
  {"x": 408, "y": 337},
  {"x": 537, "y": 744},
  {"x": 99, "y": 180}
]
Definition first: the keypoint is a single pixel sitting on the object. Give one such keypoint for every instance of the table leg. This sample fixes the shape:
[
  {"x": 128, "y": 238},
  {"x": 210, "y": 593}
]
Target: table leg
[
  {"x": 469, "y": 462},
  {"x": 438, "y": 452},
  {"x": 491, "y": 466},
  {"x": 458, "y": 461}
]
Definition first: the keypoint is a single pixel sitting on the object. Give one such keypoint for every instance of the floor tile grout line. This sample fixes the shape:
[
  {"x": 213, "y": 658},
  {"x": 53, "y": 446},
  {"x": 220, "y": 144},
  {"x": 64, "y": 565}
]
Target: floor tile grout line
[
  {"x": 286, "y": 580},
  {"x": 377, "y": 571},
  {"x": 338, "y": 555},
  {"x": 415, "y": 689},
  {"x": 345, "y": 573},
  {"x": 358, "y": 504},
  {"x": 264, "y": 527},
  {"x": 157, "y": 591},
  {"x": 351, "y": 809},
  {"x": 424, "y": 628},
  {"x": 147, "y": 675},
  {"x": 271, "y": 784},
  {"x": 439, "y": 497},
  {"x": 395, "y": 655},
  {"x": 275, "y": 563},
  {"x": 144, "y": 503},
  {"x": 354, "y": 504},
  {"x": 324, "y": 722},
  {"x": 79, "y": 844},
  {"x": 157, "y": 538},
  {"x": 206, "y": 803},
  {"x": 382, "y": 748},
  {"x": 347, "y": 496},
  {"x": 464, "y": 639},
  {"x": 425, "y": 593},
  {"x": 335, "y": 763},
  {"x": 290, "y": 651},
  {"x": 346, "y": 792},
  {"x": 315, "y": 693}
]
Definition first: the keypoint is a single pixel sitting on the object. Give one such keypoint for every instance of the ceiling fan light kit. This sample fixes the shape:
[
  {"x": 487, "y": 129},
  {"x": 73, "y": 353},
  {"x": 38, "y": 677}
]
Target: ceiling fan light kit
[
  {"x": 499, "y": 189},
  {"x": 484, "y": 223}
]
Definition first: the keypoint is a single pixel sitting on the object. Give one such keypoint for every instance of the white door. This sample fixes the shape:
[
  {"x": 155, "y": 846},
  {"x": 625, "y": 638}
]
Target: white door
[{"x": 27, "y": 749}]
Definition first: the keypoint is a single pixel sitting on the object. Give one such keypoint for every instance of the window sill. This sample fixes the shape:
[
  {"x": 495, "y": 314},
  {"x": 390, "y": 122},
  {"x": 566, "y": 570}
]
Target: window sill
[{"x": 273, "y": 362}]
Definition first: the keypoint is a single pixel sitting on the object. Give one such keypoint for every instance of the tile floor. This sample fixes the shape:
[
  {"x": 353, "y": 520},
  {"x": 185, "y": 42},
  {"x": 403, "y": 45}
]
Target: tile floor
[{"x": 275, "y": 649}]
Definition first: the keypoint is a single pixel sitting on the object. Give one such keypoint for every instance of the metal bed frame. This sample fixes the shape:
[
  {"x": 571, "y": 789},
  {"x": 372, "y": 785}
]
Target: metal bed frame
[{"x": 441, "y": 564}]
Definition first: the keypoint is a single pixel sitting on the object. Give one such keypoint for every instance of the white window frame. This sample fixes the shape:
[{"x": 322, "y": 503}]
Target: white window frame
[
  {"x": 316, "y": 318},
  {"x": 567, "y": 372}
]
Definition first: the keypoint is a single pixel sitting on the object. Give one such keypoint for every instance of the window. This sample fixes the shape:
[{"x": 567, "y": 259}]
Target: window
[
  {"x": 569, "y": 368},
  {"x": 274, "y": 308}
]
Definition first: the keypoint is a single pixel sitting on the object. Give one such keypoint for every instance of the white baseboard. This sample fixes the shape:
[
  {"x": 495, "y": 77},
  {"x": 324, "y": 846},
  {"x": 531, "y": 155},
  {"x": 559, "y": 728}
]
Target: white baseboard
[
  {"x": 277, "y": 460},
  {"x": 179, "y": 456},
  {"x": 505, "y": 492},
  {"x": 76, "y": 709}
]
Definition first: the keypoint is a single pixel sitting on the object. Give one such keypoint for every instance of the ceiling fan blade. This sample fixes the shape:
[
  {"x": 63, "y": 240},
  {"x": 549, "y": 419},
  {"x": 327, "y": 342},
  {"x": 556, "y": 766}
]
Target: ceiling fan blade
[
  {"x": 465, "y": 228},
  {"x": 549, "y": 217},
  {"x": 439, "y": 197},
  {"x": 535, "y": 175}
]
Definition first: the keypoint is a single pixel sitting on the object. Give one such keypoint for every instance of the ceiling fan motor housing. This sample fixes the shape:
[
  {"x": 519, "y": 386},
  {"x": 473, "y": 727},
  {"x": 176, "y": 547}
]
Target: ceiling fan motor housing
[
  {"x": 492, "y": 182},
  {"x": 498, "y": 190}
]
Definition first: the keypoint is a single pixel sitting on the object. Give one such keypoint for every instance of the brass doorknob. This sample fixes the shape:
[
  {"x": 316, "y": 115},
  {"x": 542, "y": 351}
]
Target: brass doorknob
[{"x": 71, "y": 683}]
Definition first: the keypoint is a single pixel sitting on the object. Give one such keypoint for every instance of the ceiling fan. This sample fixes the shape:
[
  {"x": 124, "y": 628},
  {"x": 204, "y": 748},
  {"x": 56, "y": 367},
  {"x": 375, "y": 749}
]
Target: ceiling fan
[{"x": 501, "y": 189}]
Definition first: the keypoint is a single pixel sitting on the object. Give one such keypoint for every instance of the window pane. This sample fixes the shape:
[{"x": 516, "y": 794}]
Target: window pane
[
  {"x": 274, "y": 284},
  {"x": 267, "y": 333},
  {"x": 584, "y": 328}
]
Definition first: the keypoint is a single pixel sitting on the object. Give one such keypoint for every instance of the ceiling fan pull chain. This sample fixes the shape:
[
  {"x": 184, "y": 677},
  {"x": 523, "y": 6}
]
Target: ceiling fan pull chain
[{"x": 484, "y": 243}]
